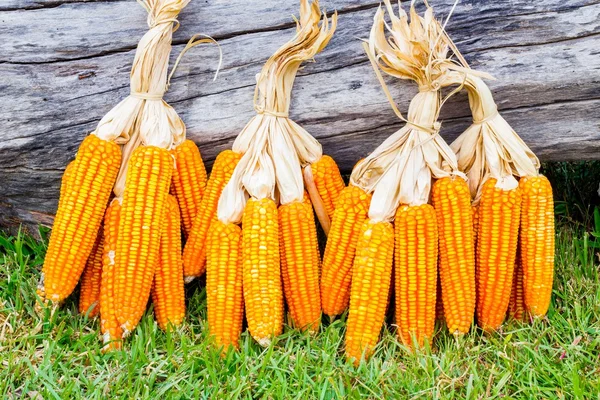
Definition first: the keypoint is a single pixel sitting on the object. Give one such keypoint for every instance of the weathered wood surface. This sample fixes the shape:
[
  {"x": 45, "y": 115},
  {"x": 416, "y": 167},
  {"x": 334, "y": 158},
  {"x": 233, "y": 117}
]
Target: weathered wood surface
[{"x": 65, "y": 63}]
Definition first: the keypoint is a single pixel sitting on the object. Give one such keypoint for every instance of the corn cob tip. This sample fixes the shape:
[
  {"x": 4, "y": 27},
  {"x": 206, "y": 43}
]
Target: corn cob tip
[
  {"x": 126, "y": 332},
  {"x": 110, "y": 343},
  {"x": 188, "y": 279}
]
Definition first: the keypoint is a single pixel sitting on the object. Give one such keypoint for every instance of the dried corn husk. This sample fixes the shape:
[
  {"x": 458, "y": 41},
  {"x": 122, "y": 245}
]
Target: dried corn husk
[
  {"x": 143, "y": 117},
  {"x": 490, "y": 148},
  {"x": 400, "y": 170},
  {"x": 275, "y": 148}
]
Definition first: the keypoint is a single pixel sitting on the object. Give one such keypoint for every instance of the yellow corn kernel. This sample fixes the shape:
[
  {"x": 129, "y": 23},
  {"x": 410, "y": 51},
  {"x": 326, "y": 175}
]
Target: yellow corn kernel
[
  {"x": 109, "y": 326},
  {"x": 89, "y": 291},
  {"x": 262, "y": 277},
  {"x": 452, "y": 202},
  {"x": 350, "y": 214},
  {"x": 537, "y": 243},
  {"x": 416, "y": 272},
  {"x": 300, "y": 264},
  {"x": 499, "y": 215},
  {"x": 188, "y": 182},
  {"x": 328, "y": 181},
  {"x": 168, "y": 293},
  {"x": 194, "y": 252},
  {"x": 224, "y": 295},
  {"x": 79, "y": 216},
  {"x": 144, "y": 204},
  {"x": 371, "y": 280}
]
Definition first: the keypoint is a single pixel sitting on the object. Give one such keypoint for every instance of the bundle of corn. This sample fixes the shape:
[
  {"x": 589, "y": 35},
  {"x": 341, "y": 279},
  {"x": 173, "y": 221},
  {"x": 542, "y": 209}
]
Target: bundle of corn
[
  {"x": 506, "y": 211},
  {"x": 321, "y": 174},
  {"x": 509, "y": 211},
  {"x": 262, "y": 187},
  {"x": 139, "y": 151},
  {"x": 394, "y": 183}
]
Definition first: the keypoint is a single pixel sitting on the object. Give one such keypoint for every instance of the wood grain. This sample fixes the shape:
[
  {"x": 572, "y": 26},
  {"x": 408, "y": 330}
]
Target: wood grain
[{"x": 65, "y": 63}]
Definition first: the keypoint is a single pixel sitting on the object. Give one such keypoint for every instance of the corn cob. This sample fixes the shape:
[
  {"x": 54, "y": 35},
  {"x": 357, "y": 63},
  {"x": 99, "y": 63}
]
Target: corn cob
[
  {"x": 261, "y": 270},
  {"x": 168, "y": 294},
  {"x": 416, "y": 272},
  {"x": 499, "y": 212},
  {"x": 537, "y": 243},
  {"x": 328, "y": 181},
  {"x": 371, "y": 273},
  {"x": 300, "y": 264},
  {"x": 78, "y": 219},
  {"x": 224, "y": 295},
  {"x": 516, "y": 305},
  {"x": 350, "y": 214},
  {"x": 188, "y": 182},
  {"x": 452, "y": 202},
  {"x": 194, "y": 253},
  {"x": 143, "y": 207},
  {"x": 89, "y": 292},
  {"x": 111, "y": 330}
]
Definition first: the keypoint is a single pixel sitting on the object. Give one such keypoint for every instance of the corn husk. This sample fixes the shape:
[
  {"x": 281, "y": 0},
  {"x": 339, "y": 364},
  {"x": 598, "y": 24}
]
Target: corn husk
[
  {"x": 143, "y": 118},
  {"x": 490, "y": 148},
  {"x": 274, "y": 148},
  {"x": 401, "y": 169}
]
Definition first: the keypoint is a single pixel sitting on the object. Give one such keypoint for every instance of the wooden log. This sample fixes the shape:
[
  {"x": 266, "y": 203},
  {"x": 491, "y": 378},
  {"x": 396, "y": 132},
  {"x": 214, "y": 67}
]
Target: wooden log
[{"x": 65, "y": 63}]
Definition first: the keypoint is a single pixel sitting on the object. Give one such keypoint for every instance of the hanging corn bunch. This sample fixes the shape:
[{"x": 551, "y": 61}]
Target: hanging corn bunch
[
  {"x": 138, "y": 151},
  {"x": 321, "y": 174},
  {"x": 509, "y": 210},
  {"x": 263, "y": 188},
  {"x": 398, "y": 176}
]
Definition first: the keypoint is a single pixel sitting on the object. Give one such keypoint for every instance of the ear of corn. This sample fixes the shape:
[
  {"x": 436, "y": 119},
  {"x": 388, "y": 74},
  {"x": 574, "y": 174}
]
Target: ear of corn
[
  {"x": 188, "y": 182},
  {"x": 79, "y": 216},
  {"x": 89, "y": 292},
  {"x": 144, "y": 203},
  {"x": 224, "y": 295},
  {"x": 537, "y": 243},
  {"x": 452, "y": 202},
  {"x": 349, "y": 215},
  {"x": 416, "y": 272},
  {"x": 516, "y": 305},
  {"x": 300, "y": 262},
  {"x": 194, "y": 253},
  {"x": 109, "y": 326},
  {"x": 263, "y": 294},
  {"x": 328, "y": 181},
  {"x": 168, "y": 294},
  {"x": 371, "y": 275},
  {"x": 499, "y": 212}
]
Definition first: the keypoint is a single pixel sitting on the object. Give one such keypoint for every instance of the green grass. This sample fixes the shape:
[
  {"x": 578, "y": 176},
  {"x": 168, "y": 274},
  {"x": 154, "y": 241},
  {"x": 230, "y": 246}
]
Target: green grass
[{"x": 58, "y": 355}]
